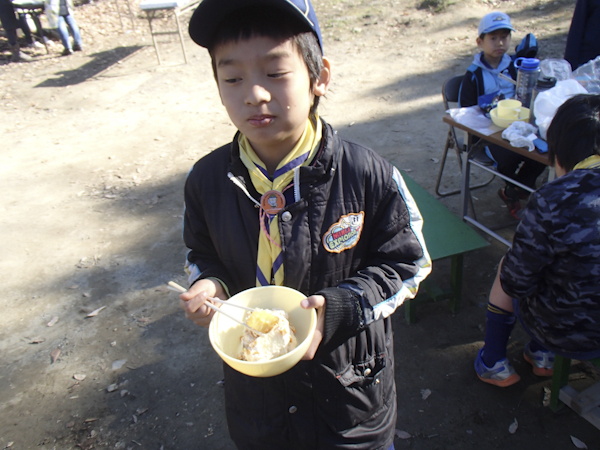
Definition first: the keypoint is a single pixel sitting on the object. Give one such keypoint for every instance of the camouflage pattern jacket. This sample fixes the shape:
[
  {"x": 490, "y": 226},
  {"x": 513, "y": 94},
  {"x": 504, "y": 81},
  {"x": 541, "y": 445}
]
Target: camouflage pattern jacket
[{"x": 553, "y": 267}]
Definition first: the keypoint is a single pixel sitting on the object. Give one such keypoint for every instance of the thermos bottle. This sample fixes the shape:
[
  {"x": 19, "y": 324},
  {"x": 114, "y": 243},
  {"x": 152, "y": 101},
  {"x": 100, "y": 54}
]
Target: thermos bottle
[
  {"x": 528, "y": 71},
  {"x": 543, "y": 84}
]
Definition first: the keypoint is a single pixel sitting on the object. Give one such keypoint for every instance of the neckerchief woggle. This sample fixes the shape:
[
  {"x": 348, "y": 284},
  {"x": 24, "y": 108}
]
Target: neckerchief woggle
[{"x": 269, "y": 267}]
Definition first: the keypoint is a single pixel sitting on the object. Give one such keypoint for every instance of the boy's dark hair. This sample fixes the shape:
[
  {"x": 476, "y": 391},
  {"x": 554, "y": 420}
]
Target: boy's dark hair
[
  {"x": 246, "y": 23},
  {"x": 482, "y": 35},
  {"x": 574, "y": 133}
]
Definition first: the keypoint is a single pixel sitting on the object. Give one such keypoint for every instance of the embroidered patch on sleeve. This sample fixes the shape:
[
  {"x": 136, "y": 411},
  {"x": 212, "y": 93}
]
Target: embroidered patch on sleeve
[{"x": 344, "y": 234}]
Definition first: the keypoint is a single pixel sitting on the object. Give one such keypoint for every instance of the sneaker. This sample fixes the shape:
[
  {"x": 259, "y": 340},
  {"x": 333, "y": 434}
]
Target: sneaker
[
  {"x": 513, "y": 204},
  {"x": 35, "y": 45},
  {"x": 502, "y": 374},
  {"x": 542, "y": 361},
  {"x": 67, "y": 52},
  {"x": 77, "y": 48}
]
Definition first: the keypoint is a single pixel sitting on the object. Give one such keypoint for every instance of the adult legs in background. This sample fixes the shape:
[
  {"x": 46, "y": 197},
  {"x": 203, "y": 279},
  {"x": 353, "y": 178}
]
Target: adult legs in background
[
  {"x": 9, "y": 21},
  {"x": 25, "y": 27},
  {"x": 63, "y": 23},
  {"x": 63, "y": 32},
  {"x": 10, "y": 24}
]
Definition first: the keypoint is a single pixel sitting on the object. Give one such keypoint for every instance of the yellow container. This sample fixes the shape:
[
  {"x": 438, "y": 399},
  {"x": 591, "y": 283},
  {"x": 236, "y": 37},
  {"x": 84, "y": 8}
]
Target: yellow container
[{"x": 225, "y": 334}]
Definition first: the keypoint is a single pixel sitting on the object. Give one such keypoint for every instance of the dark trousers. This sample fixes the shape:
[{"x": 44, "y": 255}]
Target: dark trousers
[
  {"x": 507, "y": 163},
  {"x": 9, "y": 21}
]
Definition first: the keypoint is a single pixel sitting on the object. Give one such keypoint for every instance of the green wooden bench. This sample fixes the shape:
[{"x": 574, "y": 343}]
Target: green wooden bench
[{"x": 446, "y": 236}]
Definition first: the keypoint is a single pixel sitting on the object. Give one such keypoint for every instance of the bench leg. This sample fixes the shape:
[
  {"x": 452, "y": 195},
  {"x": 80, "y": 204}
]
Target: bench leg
[{"x": 562, "y": 367}]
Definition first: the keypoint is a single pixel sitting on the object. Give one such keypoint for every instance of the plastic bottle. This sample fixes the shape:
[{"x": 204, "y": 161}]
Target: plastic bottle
[
  {"x": 528, "y": 71},
  {"x": 543, "y": 84}
]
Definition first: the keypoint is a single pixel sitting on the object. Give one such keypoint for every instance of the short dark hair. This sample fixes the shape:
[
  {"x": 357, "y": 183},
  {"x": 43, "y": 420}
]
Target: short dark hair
[
  {"x": 482, "y": 35},
  {"x": 272, "y": 23},
  {"x": 574, "y": 133}
]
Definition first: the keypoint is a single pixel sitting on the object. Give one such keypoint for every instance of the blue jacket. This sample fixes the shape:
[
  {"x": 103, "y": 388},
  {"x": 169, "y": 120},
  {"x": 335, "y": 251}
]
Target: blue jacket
[{"x": 482, "y": 80}]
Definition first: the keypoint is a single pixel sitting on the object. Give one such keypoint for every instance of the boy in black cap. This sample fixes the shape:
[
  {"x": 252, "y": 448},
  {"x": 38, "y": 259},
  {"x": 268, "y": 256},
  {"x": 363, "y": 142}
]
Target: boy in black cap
[{"x": 343, "y": 229}]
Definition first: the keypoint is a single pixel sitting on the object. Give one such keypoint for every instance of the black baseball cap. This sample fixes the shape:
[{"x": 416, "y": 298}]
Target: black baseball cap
[{"x": 210, "y": 13}]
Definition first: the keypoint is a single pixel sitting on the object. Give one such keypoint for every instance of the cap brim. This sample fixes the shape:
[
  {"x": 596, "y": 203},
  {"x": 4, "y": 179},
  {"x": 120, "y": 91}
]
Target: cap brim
[
  {"x": 209, "y": 14},
  {"x": 500, "y": 26}
]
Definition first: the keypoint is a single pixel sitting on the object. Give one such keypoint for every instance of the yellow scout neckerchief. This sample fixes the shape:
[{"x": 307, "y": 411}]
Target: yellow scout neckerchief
[
  {"x": 269, "y": 268},
  {"x": 591, "y": 162}
]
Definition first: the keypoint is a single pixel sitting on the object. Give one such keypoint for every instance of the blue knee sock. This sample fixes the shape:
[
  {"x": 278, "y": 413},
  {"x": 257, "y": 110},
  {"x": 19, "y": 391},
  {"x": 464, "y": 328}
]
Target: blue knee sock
[{"x": 499, "y": 324}]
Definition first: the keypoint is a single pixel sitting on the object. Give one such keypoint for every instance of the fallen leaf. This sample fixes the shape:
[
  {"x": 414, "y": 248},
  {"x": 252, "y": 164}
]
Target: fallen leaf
[
  {"x": 513, "y": 427},
  {"x": 112, "y": 387},
  {"x": 435, "y": 160},
  {"x": 54, "y": 355},
  {"x": 141, "y": 411},
  {"x": 402, "y": 434},
  {"x": 577, "y": 443},
  {"x": 37, "y": 341},
  {"x": 425, "y": 393},
  {"x": 53, "y": 321},
  {"x": 79, "y": 376},
  {"x": 116, "y": 365},
  {"x": 90, "y": 420},
  {"x": 124, "y": 392},
  {"x": 95, "y": 312},
  {"x": 546, "y": 399}
]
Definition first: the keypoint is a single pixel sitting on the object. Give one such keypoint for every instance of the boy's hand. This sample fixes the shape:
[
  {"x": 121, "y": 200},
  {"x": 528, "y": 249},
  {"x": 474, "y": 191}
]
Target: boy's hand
[
  {"x": 318, "y": 302},
  {"x": 193, "y": 301}
]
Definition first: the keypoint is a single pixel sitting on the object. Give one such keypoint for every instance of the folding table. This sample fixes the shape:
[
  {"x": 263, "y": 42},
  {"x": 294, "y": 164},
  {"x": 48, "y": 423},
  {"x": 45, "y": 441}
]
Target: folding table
[
  {"x": 165, "y": 8},
  {"x": 467, "y": 161}
]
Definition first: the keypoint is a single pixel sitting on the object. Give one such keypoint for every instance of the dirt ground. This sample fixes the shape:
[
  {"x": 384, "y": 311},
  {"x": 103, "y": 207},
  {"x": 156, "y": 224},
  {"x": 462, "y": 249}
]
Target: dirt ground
[{"x": 94, "y": 351}]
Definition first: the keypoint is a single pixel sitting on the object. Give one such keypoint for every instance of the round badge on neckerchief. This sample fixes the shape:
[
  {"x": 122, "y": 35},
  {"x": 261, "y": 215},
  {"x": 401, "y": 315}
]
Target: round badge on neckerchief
[{"x": 272, "y": 202}]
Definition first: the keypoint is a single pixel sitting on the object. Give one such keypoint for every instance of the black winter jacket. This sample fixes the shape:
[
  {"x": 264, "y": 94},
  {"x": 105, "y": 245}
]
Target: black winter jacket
[{"x": 354, "y": 237}]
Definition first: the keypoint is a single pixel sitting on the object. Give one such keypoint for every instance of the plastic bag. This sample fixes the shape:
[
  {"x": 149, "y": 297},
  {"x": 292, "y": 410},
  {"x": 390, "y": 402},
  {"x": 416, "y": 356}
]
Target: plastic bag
[
  {"x": 588, "y": 75},
  {"x": 520, "y": 134},
  {"x": 555, "y": 68},
  {"x": 547, "y": 102}
]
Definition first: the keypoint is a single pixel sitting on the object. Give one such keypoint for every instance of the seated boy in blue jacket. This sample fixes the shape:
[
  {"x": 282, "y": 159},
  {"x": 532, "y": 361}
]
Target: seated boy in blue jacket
[
  {"x": 344, "y": 230},
  {"x": 482, "y": 85}
]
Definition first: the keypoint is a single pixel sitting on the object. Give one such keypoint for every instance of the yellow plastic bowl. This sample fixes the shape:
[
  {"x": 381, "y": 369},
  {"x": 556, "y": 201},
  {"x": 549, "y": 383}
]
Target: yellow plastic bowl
[
  {"x": 505, "y": 123},
  {"x": 225, "y": 334}
]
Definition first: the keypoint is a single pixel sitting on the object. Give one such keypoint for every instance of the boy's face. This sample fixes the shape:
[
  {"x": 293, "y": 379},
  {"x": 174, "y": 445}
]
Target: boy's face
[
  {"x": 495, "y": 44},
  {"x": 265, "y": 87}
]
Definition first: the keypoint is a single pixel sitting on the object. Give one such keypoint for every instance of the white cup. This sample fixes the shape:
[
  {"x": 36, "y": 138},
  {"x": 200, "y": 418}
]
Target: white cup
[{"x": 509, "y": 109}]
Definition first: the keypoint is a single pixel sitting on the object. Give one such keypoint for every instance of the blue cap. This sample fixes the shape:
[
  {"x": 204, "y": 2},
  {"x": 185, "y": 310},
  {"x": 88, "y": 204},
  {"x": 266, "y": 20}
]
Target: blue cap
[
  {"x": 210, "y": 13},
  {"x": 495, "y": 21}
]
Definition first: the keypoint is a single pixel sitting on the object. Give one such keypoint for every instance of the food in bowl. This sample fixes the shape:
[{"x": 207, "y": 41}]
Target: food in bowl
[{"x": 277, "y": 336}]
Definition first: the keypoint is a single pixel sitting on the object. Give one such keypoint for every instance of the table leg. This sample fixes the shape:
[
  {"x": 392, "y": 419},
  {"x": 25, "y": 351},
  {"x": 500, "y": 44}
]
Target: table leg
[
  {"x": 150, "y": 16},
  {"x": 466, "y": 174},
  {"x": 181, "y": 37}
]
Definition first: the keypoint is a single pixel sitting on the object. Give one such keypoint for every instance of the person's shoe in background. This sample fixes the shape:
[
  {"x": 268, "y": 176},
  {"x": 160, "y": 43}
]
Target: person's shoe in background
[
  {"x": 512, "y": 202},
  {"x": 541, "y": 361}
]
